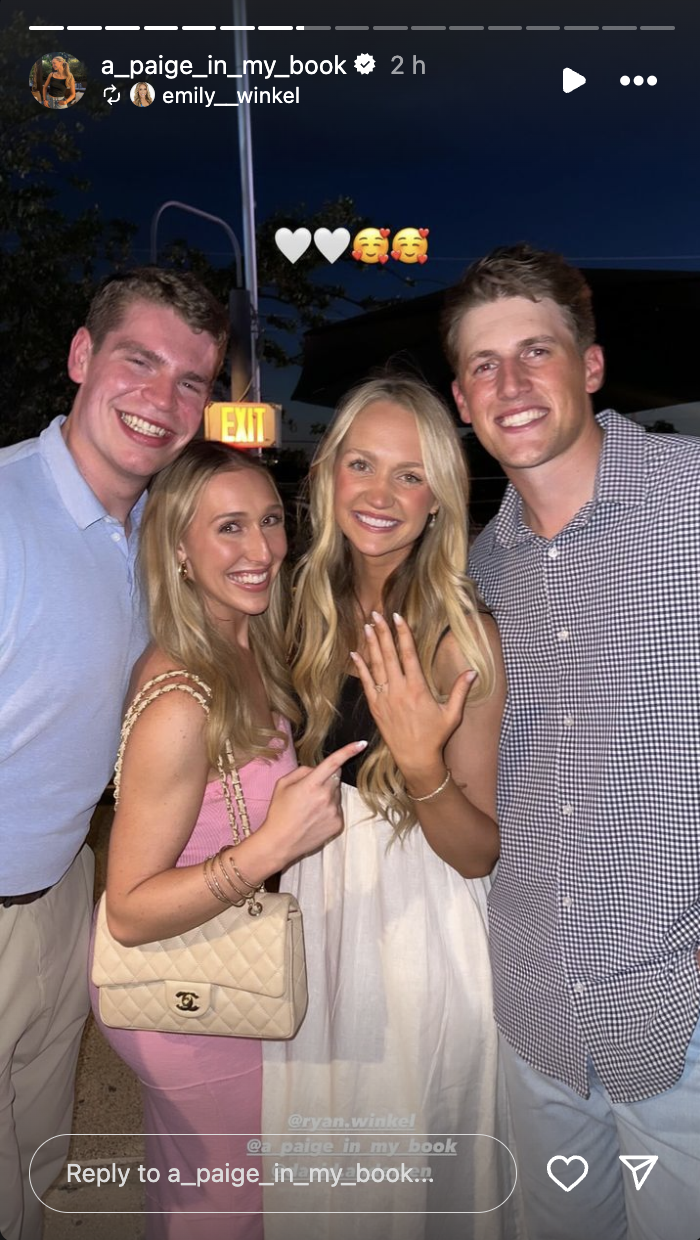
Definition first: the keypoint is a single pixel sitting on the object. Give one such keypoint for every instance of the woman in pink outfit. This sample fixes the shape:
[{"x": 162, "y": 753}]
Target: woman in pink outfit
[{"x": 212, "y": 545}]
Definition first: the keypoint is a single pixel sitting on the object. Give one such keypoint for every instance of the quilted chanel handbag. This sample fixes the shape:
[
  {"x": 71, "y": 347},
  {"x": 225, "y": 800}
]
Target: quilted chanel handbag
[{"x": 242, "y": 974}]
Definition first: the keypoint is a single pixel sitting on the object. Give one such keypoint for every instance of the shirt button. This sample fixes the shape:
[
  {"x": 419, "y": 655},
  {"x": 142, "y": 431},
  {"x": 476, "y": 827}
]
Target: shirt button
[
  {"x": 563, "y": 635},
  {"x": 116, "y": 537},
  {"x": 566, "y": 901},
  {"x": 553, "y": 553},
  {"x": 568, "y": 721},
  {"x": 579, "y": 988},
  {"x": 567, "y": 810}
]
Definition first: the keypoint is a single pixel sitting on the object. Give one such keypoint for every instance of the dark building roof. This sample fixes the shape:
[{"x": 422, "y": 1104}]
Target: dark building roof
[{"x": 648, "y": 323}]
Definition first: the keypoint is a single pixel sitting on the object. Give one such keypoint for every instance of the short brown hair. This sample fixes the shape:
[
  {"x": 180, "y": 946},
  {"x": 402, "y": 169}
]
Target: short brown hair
[
  {"x": 180, "y": 291},
  {"x": 519, "y": 271}
]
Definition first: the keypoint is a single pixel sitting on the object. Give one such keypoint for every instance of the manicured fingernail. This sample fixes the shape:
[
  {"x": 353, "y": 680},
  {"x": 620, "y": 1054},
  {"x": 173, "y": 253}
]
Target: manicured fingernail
[
  {"x": 353, "y": 656},
  {"x": 361, "y": 744},
  {"x": 369, "y": 627},
  {"x": 471, "y": 677},
  {"x": 397, "y": 618},
  {"x": 376, "y": 616}
]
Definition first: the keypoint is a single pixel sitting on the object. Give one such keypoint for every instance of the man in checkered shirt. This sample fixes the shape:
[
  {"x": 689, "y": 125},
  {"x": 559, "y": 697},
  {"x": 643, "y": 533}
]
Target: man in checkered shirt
[{"x": 592, "y": 571}]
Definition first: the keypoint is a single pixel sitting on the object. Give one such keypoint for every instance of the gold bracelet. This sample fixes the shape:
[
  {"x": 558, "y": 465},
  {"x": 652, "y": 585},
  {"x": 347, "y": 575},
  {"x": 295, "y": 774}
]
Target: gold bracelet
[
  {"x": 243, "y": 897},
  {"x": 436, "y": 793},
  {"x": 255, "y": 908},
  {"x": 217, "y": 886},
  {"x": 253, "y": 886},
  {"x": 212, "y": 884}
]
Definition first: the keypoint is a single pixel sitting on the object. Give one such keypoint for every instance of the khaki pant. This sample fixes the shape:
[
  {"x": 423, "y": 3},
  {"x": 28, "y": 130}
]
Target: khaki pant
[{"x": 43, "y": 1006}]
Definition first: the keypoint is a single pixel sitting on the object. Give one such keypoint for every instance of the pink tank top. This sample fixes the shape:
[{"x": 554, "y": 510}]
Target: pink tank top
[{"x": 212, "y": 829}]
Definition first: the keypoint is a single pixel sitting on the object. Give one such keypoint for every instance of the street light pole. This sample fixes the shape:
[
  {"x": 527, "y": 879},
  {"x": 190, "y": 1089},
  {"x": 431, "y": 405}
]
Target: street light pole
[
  {"x": 245, "y": 148},
  {"x": 244, "y": 364}
]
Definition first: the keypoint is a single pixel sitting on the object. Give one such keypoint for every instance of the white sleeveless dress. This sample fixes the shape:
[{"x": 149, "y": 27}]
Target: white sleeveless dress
[{"x": 398, "y": 1050}]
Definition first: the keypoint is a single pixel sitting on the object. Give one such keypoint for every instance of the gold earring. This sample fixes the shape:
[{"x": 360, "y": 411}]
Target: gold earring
[{"x": 182, "y": 569}]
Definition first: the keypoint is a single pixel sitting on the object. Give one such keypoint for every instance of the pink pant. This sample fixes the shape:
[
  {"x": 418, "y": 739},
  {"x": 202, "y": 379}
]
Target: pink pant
[{"x": 194, "y": 1088}]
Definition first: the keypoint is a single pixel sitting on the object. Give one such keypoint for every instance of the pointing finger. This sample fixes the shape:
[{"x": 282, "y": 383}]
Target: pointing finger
[{"x": 332, "y": 764}]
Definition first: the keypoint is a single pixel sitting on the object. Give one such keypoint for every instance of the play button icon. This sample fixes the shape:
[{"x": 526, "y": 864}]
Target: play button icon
[{"x": 572, "y": 80}]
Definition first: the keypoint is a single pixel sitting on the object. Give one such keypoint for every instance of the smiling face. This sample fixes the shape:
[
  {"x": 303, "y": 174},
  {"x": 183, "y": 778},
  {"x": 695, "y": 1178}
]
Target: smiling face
[
  {"x": 523, "y": 384},
  {"x": 142, "y": 92},
  {"x": 141, "y": 397},
  {"x": 382, "y": 500},
  {"x": 234, "y": 546},
  {"x": 371, "y": 246},
  {"x": 410, "y": 245}
]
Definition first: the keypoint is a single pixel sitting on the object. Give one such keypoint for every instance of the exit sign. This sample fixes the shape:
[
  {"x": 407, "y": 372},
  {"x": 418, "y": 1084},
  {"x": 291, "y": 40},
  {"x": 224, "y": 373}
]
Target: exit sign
[{"x": 244, "y": 425}]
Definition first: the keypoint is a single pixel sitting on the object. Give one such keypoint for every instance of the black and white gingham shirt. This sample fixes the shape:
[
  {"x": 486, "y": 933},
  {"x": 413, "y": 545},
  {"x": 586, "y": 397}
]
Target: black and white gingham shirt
[{"x": 595, "y": 910}]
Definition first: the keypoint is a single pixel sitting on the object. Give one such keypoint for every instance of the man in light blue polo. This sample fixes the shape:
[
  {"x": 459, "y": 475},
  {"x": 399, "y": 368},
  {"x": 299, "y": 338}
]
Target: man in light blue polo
[{"x": 71, "y": 626}]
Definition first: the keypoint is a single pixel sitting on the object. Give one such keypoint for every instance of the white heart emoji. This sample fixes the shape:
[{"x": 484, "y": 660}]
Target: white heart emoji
[
  {"x": 331, "y": 244},
  {"x": 575, "y": 1158},
  {"x": 292, "y": 244}
]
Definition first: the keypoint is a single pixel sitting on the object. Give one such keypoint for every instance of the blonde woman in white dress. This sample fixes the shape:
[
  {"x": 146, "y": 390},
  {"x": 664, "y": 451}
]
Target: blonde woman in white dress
[{"x": 399, "y": 1039}]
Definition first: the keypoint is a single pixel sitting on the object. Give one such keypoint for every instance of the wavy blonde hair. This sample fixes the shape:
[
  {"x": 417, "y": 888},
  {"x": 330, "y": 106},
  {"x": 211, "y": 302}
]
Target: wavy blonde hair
[
  {"x": 137, "y": 97},
  {"x": 429, "y": 589},
  {"x": 179, "y": 622}
]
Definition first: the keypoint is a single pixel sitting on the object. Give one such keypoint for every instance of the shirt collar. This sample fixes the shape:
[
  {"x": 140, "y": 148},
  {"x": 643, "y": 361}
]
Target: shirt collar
[
  {"x": 621, "y": 477},
  {"x": 76, "y": 496}
]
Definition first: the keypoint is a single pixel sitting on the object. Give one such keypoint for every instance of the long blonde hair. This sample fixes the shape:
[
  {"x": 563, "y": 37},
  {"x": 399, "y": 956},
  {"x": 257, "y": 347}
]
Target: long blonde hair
[
  {"x": 137, "y": 97},
  {"x": 429, "y": 589},
  {"x": 69, "y": 79},
  {"x": 179, "y": 622}
]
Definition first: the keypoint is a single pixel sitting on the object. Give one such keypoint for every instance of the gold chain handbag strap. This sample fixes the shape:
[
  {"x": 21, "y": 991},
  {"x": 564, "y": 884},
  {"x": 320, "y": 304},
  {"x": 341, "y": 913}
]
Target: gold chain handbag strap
[
  {"x": 238, "y": 793},
  {"x": 151, "y": 691}
]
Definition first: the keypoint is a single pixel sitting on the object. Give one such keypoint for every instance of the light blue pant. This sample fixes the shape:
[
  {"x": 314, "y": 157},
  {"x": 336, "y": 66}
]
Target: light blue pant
[
  {"x": 550, "y": 1119},
  {"x": 55, "y": 103}
]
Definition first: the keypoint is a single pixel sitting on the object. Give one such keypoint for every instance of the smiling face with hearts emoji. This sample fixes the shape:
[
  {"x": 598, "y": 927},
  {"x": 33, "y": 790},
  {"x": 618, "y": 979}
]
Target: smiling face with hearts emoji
[
  {"x": 371, "y": 245},
  {"x": 410, "y": 245}
]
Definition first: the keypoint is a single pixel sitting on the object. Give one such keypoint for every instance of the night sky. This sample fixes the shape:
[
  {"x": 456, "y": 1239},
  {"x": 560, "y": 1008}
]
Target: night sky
[{"x": 483, "y": 149}]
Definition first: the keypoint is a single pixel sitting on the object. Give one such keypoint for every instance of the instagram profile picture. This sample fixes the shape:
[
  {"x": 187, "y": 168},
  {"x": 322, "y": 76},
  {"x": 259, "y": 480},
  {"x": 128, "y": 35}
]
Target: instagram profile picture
[
  {"x": 58, "y": 80},
  {"x": 142, "y": 94}
]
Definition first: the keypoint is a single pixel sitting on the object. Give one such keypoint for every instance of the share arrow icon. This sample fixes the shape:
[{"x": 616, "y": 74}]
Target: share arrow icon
[{"x": 641, "y": 1165}]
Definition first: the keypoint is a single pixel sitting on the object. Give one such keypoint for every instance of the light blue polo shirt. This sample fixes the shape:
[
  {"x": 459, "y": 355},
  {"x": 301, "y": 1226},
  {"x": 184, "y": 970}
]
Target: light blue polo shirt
[{"x": 72, "y": 624}]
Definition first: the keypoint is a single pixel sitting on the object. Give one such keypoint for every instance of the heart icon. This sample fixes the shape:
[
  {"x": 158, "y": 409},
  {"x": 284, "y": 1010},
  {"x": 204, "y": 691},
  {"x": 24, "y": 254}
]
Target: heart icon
[
  {"x": 292, "y": 244},
  {"x": 385, "y": 232},
  {"x": 331, "y": 244},
  {"x": 575, "y": 1158}
]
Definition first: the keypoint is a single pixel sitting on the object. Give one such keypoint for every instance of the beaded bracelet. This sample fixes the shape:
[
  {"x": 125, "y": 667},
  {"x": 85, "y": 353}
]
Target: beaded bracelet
[{"x": 436, "y": 793}]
